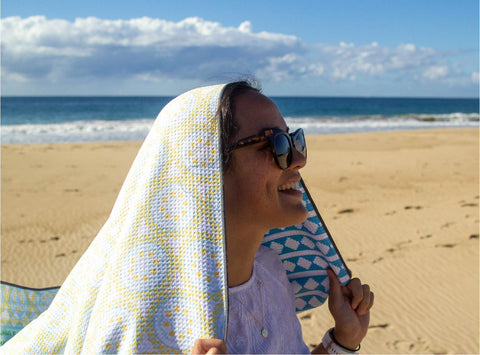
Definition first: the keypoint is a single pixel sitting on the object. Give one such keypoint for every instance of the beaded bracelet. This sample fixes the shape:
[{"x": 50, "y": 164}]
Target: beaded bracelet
[{"x": 333, "y": 347}]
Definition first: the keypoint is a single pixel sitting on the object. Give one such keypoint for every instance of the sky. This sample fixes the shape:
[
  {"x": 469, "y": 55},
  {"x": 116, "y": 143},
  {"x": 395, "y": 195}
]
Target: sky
[{"x": 407, "y": 48}]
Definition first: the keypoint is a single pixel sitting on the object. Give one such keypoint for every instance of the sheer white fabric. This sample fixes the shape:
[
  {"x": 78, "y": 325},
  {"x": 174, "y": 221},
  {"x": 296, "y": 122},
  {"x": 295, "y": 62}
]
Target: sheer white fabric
[{"x": 246, "y": 316}]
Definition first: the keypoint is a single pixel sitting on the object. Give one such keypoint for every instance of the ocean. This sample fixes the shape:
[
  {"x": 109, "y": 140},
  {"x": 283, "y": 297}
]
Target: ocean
[{"x": 94, "y": 119}]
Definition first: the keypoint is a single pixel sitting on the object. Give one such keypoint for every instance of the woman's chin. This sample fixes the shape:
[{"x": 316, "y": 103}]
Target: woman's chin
[{"x": 295, "y": 215}]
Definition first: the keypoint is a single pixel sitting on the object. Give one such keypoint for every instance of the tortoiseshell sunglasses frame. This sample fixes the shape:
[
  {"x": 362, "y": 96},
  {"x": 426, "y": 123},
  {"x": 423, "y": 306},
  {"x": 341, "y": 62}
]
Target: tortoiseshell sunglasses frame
[{"x": 269, "y": 135}]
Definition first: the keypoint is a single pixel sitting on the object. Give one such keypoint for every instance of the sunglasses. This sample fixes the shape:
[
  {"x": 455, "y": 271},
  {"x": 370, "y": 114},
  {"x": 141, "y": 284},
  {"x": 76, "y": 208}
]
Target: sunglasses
[{"x": 281, "y": 143}]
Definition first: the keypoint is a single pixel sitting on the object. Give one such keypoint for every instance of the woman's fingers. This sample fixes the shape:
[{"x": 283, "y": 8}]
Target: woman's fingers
[
  {"x": 335, "y": 290},
  {"x": 361, "y": 298},
  {"x": 209, "y": 346},
  {"x": 364, "y": 305},
  {"x": 356, "y": 292}
]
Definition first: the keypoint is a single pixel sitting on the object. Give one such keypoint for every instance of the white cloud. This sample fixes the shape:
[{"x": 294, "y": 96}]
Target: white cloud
[
  {"x": 245, "y": 26},
  {"x": 289, "y": 66},
  {"x": 435, "y": 72},
  {"x": 153, "y": 50},
  {"x": 475, "y": 77},
  {"x": 346, "y": 61},
  {"x": 191, "y": 48}
]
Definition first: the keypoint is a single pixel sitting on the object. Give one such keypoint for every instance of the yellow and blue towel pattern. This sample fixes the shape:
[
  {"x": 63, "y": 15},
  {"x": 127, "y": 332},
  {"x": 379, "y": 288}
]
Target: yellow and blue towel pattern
[{"x": 153, "y": 280}]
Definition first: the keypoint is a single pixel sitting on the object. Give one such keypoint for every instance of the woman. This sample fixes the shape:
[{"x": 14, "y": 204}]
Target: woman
[
  {"x": 261, "y": 195},
  {"x": 155, "y": 277}
]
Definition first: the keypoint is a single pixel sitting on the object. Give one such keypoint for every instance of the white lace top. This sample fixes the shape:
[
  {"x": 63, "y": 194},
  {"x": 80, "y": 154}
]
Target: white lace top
[{"x": 246, "y": 316}]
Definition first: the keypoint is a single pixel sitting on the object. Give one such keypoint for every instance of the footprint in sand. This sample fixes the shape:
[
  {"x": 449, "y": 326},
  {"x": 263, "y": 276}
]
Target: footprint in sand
[
  {"x": 413, "y": 207},
  {"x": 398, "y": 246},
  {"x": 448, "y": 224},
  {"x": 382, "y": 326},
  {"x": 348, "y": 210},
  {"x": 401, "y": 244},
  {"x": 403, "y": 346},
  {"x": 426, "y": 236},
  {"x": 445, "y": 245},
  {"x": 353, "y": 259}
]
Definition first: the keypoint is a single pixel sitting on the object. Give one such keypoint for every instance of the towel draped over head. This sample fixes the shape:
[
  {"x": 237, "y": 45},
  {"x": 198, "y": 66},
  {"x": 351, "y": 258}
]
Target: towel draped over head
[{"x": 154, "y": 278}]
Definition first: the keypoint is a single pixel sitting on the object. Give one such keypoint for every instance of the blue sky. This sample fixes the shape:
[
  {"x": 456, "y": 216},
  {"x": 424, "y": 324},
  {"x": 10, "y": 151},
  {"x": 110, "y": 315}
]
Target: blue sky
[{"x": 319, "y": 48}]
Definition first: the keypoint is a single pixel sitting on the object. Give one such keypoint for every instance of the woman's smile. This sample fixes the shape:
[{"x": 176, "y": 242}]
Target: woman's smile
[{"x": 291, "y": 189}]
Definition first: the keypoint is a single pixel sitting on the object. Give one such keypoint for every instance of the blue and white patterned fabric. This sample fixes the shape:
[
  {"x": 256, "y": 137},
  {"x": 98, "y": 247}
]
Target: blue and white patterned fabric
[
  {"x": 307, "y": 251},
  {"x": 154, "y": 278}
]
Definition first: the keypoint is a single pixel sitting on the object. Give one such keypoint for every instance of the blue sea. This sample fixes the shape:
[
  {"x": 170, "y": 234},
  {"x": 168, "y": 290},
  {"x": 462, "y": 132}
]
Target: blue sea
[{"x": 89, "y": 119}]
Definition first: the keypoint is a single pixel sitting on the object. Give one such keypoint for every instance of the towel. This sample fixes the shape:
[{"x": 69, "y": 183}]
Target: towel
[{"x": 154, "y": 278}]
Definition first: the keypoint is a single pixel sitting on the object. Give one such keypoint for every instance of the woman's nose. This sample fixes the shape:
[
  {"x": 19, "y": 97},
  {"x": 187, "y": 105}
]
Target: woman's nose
[{"x": 299, "y": 160}]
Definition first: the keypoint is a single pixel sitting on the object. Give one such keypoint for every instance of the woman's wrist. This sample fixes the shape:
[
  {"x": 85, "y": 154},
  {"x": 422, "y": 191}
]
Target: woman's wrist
[
  {"x": 332, "y": 346},
  {"x": 345, "y": 342},
  {"x": 345, "y": 339}
]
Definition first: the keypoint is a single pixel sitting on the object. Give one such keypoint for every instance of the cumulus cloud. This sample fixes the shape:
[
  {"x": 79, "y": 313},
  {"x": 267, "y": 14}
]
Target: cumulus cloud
[
  {"x": 346, "y": 60},
  {"x": 154, "y": 49}
]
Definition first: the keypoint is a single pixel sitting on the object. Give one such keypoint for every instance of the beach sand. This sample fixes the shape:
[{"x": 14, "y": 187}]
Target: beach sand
[{"x": 402, "y": 208}]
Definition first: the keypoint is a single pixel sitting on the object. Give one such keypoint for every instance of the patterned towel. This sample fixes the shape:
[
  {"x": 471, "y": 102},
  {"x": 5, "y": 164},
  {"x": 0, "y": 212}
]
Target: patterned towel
[
  {"x": 154, "y": 278},
  {"x": 21, "y": 305}
]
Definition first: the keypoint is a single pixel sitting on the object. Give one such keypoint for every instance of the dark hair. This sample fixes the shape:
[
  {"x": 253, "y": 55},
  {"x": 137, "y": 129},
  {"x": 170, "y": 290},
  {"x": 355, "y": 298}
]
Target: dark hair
[{"x": 225, "y": 110}]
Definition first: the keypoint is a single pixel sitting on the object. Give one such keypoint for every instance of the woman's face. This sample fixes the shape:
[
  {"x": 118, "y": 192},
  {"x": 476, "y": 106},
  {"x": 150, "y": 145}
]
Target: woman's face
[{"x": 257, "y": 192}]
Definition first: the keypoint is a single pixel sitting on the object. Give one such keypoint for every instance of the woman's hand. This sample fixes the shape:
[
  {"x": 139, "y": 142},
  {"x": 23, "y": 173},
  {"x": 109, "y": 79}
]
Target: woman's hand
[
  {"x": 209, "y": 346},
  {"x": 350, "y": 307}
]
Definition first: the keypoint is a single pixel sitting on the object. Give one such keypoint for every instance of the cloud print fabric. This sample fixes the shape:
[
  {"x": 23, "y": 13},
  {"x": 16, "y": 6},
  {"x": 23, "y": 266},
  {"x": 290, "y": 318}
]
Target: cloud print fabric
[{"x": 154, "y": 278}]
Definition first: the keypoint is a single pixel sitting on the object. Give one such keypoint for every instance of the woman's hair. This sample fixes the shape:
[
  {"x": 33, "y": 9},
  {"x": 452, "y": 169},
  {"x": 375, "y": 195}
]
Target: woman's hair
[{"x": 225, "y": 111}]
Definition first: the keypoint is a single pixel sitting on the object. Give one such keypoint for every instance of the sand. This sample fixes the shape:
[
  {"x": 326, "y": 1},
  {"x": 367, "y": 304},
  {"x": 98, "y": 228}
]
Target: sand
[{"x": 401, "y": 206}]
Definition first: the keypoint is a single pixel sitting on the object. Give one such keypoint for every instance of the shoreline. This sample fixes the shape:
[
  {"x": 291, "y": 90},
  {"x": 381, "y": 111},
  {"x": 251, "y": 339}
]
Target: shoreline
[
  {"x": 325, "y": 128},
  {"x": 402, "y": 207}
]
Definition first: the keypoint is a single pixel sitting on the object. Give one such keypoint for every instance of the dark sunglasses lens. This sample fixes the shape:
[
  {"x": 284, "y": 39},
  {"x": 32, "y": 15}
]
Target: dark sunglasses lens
[
  {"x": 282, "y": 150},
  {"x": 299, "y": 142}
]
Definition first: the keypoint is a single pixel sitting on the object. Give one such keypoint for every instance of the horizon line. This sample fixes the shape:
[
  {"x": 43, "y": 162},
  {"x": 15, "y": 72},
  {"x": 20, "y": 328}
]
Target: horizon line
[{"x": 271, "y": 96}]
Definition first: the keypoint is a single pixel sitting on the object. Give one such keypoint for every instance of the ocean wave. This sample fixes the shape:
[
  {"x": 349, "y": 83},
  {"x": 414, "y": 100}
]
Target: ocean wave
[
  {"x": 137, "y": 129},
  {"x": 369, "y": 123},
  {"x": 77, "y": 131}
]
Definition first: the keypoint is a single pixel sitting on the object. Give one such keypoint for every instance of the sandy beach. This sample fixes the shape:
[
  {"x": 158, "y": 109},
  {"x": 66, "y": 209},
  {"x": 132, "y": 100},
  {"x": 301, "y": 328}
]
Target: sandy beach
[{"x": 401, "y": 206}]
